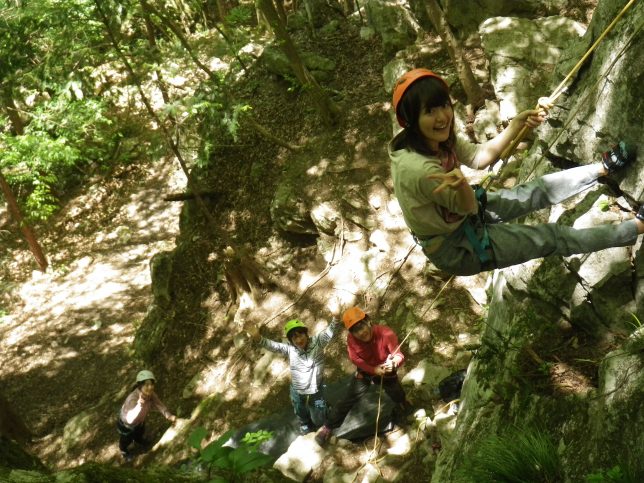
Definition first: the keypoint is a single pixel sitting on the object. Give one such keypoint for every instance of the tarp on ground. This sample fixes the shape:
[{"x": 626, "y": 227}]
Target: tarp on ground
[{"x": 359, "y": 424}]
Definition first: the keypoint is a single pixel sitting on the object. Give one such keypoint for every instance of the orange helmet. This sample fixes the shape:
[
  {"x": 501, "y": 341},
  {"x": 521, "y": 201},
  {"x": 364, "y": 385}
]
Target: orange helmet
[
  {"x": 403, "y": 84},
  {"x": 352, "y": 316}
]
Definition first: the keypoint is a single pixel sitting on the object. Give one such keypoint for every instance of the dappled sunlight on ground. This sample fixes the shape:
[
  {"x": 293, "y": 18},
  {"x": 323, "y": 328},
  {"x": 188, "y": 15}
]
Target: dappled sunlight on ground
[{"x": 68, "y": 343}]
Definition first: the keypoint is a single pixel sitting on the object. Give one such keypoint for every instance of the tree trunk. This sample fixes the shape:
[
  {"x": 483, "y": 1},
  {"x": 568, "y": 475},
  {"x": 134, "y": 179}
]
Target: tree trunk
[
  {"x": 474, "y": 93},
  {"x": 27, "y": 232},
  {"x": 281, "y": 11},
  {"x": 326, "y": 108},
  {"x": 152, "y": 41},
  {"x": 12, "y": 112}
]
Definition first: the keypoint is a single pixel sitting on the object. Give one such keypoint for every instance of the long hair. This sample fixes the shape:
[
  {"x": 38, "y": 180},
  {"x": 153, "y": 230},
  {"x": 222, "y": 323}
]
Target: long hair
[
  {"x": 136, "y": 386},
  {"x": 424, "y": 94}
]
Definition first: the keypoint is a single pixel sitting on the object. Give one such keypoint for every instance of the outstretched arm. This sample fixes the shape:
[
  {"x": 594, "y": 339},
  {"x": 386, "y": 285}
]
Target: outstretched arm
[
  {"x": 253, "y": 331},
  {"x": 162, "y": 408}
]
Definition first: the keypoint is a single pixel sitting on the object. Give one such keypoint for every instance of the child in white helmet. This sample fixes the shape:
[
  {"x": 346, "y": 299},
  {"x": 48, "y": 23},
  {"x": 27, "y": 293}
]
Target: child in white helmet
[
  {"x": 306, "y": 361},
  {"x": 463, "y": 230},
  {"x": 131, "y": 421}
]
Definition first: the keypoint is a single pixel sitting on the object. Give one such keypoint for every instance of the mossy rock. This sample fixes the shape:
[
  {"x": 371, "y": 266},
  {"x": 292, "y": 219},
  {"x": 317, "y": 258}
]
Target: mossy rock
[{"x": 12, "y": 456}]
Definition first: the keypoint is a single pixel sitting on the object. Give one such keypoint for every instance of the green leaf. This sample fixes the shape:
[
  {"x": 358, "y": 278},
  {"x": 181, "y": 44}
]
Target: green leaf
[
  {"x": 213, "y": 452},
  {"x": 245, "y": 461},
  {"x": 197, "y": 436},
  {"x": 223, "y": 463},
  {"x": 216, "y": 448},
  {"x": 256, "y": 438}
]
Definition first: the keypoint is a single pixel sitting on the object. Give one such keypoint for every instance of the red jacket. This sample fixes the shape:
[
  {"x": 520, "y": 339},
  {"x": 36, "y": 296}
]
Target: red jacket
[{"x": 368, "y": 355}]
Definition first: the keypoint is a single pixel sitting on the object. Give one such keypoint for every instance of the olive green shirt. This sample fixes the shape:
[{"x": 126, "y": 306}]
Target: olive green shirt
[{"x": 423, "y": 210}]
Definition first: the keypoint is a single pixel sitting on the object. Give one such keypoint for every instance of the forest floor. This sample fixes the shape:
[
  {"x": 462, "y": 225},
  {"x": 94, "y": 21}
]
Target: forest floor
[{"x": 66, "y": 336}]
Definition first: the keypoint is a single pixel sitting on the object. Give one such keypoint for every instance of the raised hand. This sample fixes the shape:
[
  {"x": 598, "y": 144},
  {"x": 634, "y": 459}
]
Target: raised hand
[
  {"x": 336, "y": 307},
  {"x": 252, "y": 330}
]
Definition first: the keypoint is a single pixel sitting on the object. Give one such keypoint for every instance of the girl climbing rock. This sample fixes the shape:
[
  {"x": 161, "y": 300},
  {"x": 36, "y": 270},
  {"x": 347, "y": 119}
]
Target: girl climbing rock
[
  {"x": 461, "y": 228},
  {"x": 131, "y": 421}
]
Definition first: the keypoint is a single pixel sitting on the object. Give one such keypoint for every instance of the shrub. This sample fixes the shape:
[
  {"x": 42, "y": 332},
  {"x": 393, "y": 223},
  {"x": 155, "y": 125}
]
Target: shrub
[
  {"x": 518, "y": 455},
  {"x": 231, "y": 464}
]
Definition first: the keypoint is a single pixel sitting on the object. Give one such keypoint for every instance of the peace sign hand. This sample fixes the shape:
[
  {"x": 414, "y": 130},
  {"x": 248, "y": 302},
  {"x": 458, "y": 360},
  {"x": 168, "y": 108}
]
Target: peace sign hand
[{"x": 454, "y": 179}]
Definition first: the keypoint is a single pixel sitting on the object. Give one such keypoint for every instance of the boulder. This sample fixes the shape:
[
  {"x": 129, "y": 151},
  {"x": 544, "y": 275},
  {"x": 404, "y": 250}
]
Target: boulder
[
  {"x": 466, "y": 15},
  {"x": 393, "y": 22},
  {"x": 276, "y": 62},
  {"x": 426, "y": 373},
  {"x": 302, "y": 457},
  {"x": 290, "y": 212}
]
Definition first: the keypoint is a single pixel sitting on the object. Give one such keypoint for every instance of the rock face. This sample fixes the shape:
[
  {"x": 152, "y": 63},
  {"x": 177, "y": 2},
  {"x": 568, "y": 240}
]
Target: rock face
[
  {"x": 603, "y": 104},
  {"x": 559, "y": 350},
  {"x": 523, "y": 54},
  {"x": 395, "y": 25},
  {"x": 547, "y": 316},
  {"x": 466, "y": 15}
]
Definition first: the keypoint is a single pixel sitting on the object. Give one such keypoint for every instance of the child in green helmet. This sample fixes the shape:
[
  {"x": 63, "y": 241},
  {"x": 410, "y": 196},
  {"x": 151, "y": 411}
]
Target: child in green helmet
[{"x": 306, "y": 360}]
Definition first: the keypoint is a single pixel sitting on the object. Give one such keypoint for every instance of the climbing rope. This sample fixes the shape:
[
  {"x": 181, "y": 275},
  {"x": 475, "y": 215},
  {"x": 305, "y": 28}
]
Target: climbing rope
[
  {"x": 561, "y": 88},
  {"x": 375, "y": 436}
]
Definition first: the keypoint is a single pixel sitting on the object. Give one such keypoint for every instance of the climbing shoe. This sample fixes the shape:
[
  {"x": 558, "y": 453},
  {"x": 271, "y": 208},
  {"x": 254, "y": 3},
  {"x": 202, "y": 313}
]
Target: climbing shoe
[
  {"x": 323, "y": 436},
  {"x": 618, "y": 157},
  {"x": 640, "y": 213}
]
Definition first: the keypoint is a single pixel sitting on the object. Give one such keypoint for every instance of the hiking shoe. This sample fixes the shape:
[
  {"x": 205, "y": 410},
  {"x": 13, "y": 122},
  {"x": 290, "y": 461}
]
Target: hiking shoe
[
  {"x": 640, "y": 213},
  {"x": 618, "y": 157},
  {"x": 127, "y": 456},
  {"x": 305, "y": 429},
  {"x": 323, "y": 435}
]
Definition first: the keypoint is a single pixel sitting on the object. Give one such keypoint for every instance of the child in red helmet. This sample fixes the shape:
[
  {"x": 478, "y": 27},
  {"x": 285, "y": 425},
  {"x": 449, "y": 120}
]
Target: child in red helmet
[
  {"x": 131, "y": 421},
  {"x": 461, "y": 228},
  {"x": 375, "y": 352},
  {"x": 306, "y": 361}
]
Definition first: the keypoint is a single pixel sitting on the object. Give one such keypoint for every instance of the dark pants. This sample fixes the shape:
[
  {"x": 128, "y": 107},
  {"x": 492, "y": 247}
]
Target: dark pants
[
  {"x": 514, "y": 243},
  {"x": 358, "y": 388},
  {"x": 310, "y": 409},
  {"x": 129, "y": 434}
]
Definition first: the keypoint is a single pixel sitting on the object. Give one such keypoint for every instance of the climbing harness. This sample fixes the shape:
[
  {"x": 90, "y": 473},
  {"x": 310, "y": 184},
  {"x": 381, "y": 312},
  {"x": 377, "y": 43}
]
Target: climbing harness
[
  {"x": 480, "y": 244},
  {"x": 561, "y": 88}
]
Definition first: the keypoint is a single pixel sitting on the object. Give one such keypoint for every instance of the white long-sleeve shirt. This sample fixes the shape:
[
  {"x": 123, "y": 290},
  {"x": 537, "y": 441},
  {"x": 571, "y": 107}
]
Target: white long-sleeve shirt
[
  {"x": 307, "y": 366},
  {"x": 133, "y": 412}
]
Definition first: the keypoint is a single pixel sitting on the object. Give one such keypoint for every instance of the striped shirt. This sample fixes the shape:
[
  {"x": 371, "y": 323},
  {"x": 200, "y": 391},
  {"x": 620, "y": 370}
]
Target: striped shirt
[{"x": 307, "y": 366}]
